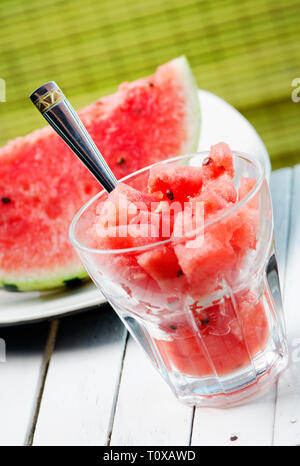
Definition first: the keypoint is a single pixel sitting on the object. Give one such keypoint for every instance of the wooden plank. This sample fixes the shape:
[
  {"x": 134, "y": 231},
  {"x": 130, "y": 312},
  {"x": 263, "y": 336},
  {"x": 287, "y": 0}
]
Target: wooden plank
[
  {"x": 250, "y": 424},
  {"x": 287, "y": 419},
  {"x": 82, "y": 380},
  {"x": 20, "y": 376},
  {"x": 147, "y": 412}
]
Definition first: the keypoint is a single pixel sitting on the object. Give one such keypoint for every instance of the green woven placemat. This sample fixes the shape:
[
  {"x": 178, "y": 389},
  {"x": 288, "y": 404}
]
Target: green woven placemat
[{"x": 245, "y": 51}]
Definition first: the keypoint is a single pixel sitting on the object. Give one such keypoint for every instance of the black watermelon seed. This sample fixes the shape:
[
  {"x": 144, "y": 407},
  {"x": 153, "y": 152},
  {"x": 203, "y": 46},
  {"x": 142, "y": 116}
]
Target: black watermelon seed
[
  {"x": 151, "y": 84},
  {"x": 233, "y": 438},
  {"x": 207, "y": 161},
  {"x": 169, "y": 194},
  {"x": 10, "y": 287},
  {"x": 205, "y": 321},
  {"x": 179, "y": 273},
  {"x": 172, "y": 327},
  {"x": 121, "y": 160},
  {"x": 5, "y": 200},
  {"x": 73, "y": 283}
]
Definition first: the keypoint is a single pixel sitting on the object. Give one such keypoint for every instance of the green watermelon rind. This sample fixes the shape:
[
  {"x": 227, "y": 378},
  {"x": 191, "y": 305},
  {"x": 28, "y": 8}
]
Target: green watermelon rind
[
  {"x": 190, "y": 87},
  {"x": 50, "y": 282},
  {"x": 55, "y": 280}
]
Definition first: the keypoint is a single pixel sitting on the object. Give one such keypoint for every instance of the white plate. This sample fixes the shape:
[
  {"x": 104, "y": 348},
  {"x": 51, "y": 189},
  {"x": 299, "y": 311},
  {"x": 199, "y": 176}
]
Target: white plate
[{"x": 220, "y": 122}]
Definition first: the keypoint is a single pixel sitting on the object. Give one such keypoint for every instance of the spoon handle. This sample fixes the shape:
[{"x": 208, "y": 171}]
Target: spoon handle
[{"x": 59, "y": 113}]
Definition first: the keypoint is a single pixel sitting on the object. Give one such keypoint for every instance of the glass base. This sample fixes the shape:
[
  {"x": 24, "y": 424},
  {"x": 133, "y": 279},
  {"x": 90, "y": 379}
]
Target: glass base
[{"x": 222, "y": 392}]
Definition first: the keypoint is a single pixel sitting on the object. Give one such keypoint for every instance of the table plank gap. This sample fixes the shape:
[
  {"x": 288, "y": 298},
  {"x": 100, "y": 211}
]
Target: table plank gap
[
  {"x": 252, "y": 423},
  {"x": 287, "y": 419},
  {"x": 49, "y": 348},
  {"x": 115, "y": 400},
  {"x": 192, "y": 426},
  {"x": 83, "y": 376},
  {"x": 147, "y": 412}
]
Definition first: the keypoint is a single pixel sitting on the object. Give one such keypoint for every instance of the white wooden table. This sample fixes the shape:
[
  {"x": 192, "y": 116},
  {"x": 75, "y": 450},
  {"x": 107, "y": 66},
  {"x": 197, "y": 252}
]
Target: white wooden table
[{"x": 82, "y": 381}]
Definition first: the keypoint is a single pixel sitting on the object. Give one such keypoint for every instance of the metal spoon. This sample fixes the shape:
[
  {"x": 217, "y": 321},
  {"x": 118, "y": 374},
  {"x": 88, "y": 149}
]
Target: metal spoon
[{"x": 57, "y": 110}]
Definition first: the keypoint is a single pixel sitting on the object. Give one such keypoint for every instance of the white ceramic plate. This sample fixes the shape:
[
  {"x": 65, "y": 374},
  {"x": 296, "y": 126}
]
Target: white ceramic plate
[{"x": 220, "y": 122}]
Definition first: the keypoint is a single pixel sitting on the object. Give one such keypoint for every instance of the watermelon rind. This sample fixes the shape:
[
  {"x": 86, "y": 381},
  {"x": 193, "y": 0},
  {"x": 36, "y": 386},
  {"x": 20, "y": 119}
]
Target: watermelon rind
[
  {"x": 72, "y": 275},
  {"x": 53, "y": 281},
  {"x": 193, "y": 117}
]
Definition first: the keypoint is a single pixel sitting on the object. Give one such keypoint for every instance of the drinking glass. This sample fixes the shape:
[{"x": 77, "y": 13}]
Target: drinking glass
[{"x": 215, "y": 330}]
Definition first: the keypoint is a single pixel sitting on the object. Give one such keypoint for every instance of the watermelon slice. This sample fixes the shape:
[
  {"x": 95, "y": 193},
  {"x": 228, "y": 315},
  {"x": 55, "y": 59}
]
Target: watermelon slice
[{"x": 42, "y": 183}]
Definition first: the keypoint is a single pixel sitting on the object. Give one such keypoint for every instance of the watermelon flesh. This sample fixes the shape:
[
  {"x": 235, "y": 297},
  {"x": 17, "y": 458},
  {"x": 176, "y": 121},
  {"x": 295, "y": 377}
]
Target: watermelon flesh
[
  {"x": 43, "y": 185},
  {"x": 162, "y": 265},
  {"x": 218, "y": 162},
  {"x": 205, "y": 266},
  {"x": 229, "y": 340},
  {"x": 175, "y": 183},
  {"x": 193, "y": 307}
]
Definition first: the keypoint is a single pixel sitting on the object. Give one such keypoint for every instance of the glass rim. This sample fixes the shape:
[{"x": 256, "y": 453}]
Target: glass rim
[{"x": 249, "y": 196}]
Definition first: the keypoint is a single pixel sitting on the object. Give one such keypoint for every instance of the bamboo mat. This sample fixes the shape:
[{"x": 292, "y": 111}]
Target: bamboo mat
[{"x": 245, "y": 51}]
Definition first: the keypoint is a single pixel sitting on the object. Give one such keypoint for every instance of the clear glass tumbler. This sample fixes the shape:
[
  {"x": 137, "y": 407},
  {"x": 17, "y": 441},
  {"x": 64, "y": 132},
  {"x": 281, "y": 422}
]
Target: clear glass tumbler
[{"x": 215, "y": 329}]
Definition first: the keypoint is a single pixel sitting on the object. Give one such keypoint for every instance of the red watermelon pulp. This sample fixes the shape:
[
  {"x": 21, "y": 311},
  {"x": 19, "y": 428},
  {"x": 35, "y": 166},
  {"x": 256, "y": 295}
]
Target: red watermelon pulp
[
  {"x": 43, "y": 184},
  {"x": 203, "y": 315}
]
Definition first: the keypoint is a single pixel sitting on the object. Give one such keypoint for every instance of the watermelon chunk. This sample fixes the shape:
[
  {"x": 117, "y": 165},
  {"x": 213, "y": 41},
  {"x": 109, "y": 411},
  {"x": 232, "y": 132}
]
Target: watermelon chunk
[
  {"x": 184, "y": 222},
  {"x": 246, "y": 184},
  {"x": 176, "y": 183},
  {"x": 123, "y": 204},
  {"x": 141, "y": 228},
  {"x": 254, "y": 319},
  {"x": 222, "y": 187},
  {"x": 134, "y": 280},
  {"x": 190, "y": 221},
  {"x": 42, "y": 183},
  {"x": 206, "y": 266},
  {"x": 125, "y": 236},
  {"x": 245, "y": 220},
  {"x": 219, "y": 162},
  {"x": 126, "y": 220},
  {"x": 240, "y": 226},
  {"x": 132, "y": 195},
  {"x": 226, "y": 338},
  {"x": 218, "y": 193},
  {"x": 162, "y": 265},
  {"x": 244, "y": 235}
]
